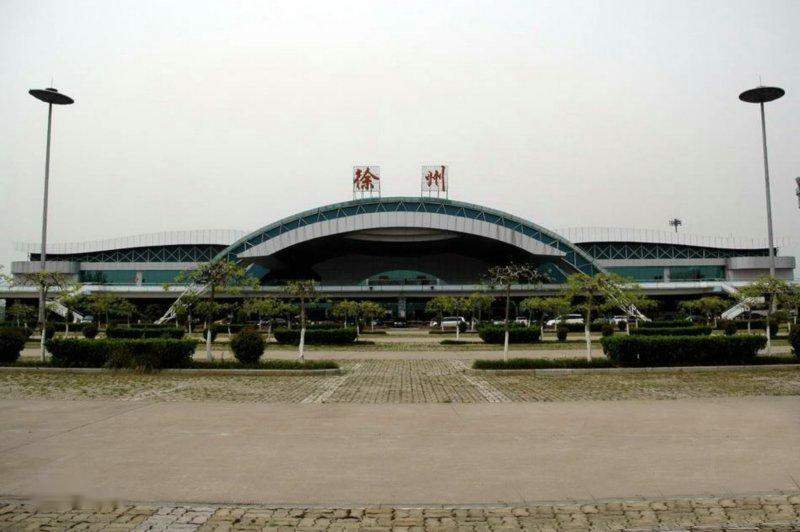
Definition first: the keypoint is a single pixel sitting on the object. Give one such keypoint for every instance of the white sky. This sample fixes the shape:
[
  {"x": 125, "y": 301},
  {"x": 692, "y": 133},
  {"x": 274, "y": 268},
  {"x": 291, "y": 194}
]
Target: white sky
[{"x": 194, "y": 114}]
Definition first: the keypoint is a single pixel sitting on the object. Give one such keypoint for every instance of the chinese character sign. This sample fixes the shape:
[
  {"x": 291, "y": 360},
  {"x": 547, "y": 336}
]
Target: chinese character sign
[
  {"x": 366, "y": 180},
  {"x": 434, "y": 179}
]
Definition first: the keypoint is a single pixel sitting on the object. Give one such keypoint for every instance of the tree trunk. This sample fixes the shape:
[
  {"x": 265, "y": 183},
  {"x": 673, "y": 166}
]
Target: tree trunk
[
  {"x": 587, "y": 330},
  {"x": 209, "y": 321},
  {"x": 301, "y": 355},
  {"x": 627, "y": 327},
  {"x": 190, "y": 323},
  {"x": 505, "y": 322}
]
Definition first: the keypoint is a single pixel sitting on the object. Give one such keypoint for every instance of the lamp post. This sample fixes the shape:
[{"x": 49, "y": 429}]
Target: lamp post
[
  {"x": 762, "y": 95},
  {"x": 51, "y": 97}
]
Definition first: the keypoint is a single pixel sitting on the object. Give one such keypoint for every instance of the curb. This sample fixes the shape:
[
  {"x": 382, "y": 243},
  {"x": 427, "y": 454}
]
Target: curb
[
  {"x": 187, "y": 371},
  {"x": 618, "y": 371}
]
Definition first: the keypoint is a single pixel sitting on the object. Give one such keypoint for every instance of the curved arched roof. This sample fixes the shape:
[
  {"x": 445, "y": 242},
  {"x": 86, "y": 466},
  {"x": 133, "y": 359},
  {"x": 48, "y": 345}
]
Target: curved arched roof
[{"x": 369, "y": 213}]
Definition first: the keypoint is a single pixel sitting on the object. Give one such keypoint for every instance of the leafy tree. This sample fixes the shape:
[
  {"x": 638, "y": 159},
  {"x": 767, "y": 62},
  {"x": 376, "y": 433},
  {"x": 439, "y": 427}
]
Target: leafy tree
[
  {"x": 304, "y": 291},
  {"x": 371, "y": 311},
  {"x": 69, "y": 297},
  {"x": 536, "y": 306},
  {"x": 217, "y": 276},
  {"x": 593, "y": 293},
  {"x": 345, "y": 309},
  {"x": 438, "y": 306},
  {"x": 44, "y": 282},
  {"x": 104, "y": 304},
  {"x": 505, "y": 277},
  {"x": 21, "y": 313},
  {"x": 263, "y": 307},
  {"x": 710, "y": 307},
  {"x": 769, "y": 290},
  {"x": 185, "y": 306},
  {"x": 478, "y": 303},
  {"x": 460, "y": 305}
]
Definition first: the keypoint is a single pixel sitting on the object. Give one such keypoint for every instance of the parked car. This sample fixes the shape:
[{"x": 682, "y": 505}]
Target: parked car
[
  {"x": 522, "y": 320},
  {"x": 399, "y": 323},
  {"x": 87, "y": 319},
  {"x": 616, "y": 320},
  {"x": 569, "y": 319},
  {"x": 449, "y": 322}
]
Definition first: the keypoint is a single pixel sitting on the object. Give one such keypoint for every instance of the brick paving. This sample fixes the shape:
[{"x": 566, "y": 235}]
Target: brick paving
[
  {"x": 400, "y": 381},
  {"x": 773, "y": 511}
]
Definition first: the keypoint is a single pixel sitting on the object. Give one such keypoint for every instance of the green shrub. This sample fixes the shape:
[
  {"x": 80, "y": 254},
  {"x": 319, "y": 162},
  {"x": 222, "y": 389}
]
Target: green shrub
[
  {"x": 517, "y": 334},
  {"x": 672, "y": 331},
  {"x": 728, "y": 326},
  {"x": 621, "y": 325},
  {"x": 608, "y": 329},
  {"x": 247, "y": 346},
  {"x": 578, "y": 327},
  {"x": 49, "y": 331},
  {"x": 633, "y": 350},
  {"x": 147, "y": 354},
  {"x": 794, "y": 340},
  {"x": 12, "y": 342},
  {"x": 541, "y": 363},
  {"x": 148, "y": 332},
  {"x": 664, "y": 324},
  {"x": 561, "y": 332},
  {"x": 90, "y": 330},
  {"x": 340, "y": 336}
]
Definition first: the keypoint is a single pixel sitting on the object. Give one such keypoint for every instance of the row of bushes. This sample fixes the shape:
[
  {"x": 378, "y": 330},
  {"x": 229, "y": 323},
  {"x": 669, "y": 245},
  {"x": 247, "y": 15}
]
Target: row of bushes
[
  {"x": 144, "y": 332},
  {"x": 341, "y": 336},
  {"x": 541, "y": 363},
  {"x": 517, "y": 334},
  {"x": 682, "y": 350},
  {"x": 672, "y": 331},
  {"x": 139, "y": 354}
]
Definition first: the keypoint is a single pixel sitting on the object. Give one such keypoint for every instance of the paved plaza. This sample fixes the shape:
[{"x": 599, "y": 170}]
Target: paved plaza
[{"x": 773, "y": 511}]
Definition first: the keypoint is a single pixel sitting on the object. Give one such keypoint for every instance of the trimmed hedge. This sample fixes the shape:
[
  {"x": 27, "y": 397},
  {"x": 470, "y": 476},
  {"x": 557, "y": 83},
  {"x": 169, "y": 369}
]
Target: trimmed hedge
[
  {"x": 561, "y": 332},
  {"x": 90, "y": 330},
  {"x": 672, "y": 331},
  {"x": 579, "y": 327},
  {"x": 150, "y": 332},
  {"x": 247, "y": 346},
  {"x": 60, "y": 326},
  {"x": 794, "y": 340},
  {"x": 663, "y": 324},
  {"x": 627, "y": 350},
  {"x": 12, "y": 342},
  {"x": 541, "y": 363},
  {"x": 517, "y": 334},
  {"x": 148, "y": 354},
  {"x": 341, "y": 336}
]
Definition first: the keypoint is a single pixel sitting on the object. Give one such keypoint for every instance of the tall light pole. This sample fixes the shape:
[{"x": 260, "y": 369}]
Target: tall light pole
[
  {"x": 761, "y": 95},
  {"x": 675, "y": 222},
  {"x": 51, "y": 97}
]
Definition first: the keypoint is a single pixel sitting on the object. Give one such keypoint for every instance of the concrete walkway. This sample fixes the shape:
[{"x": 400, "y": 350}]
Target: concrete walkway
[{"x": 344, "y": 454}]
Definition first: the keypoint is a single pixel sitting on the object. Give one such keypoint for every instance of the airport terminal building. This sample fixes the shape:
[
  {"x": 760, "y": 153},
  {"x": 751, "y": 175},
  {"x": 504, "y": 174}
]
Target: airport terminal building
[{"x": 400, "y": 248}]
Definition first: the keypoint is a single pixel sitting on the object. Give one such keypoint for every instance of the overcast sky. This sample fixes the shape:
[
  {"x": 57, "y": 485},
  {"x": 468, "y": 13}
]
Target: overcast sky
[{"x": 200, "y": 115}]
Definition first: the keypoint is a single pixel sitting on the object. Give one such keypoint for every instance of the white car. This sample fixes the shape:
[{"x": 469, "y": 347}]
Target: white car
[
  {"x": 569, "y": 319},
  {"x": 449, "y": 322},
  {"x": 521, "y": 320},
  {"x": 616, "y": 320}
]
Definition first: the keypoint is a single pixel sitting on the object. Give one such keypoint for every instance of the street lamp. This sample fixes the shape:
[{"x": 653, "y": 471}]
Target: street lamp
[
  {"x": 51, "y": 97},
  {"x": 761, "y": 95}
]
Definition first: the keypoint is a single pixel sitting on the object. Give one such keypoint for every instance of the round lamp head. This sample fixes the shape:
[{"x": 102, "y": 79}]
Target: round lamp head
[
  {"x": 51, "y": 95},
  {"x": 762, "y": 94}
]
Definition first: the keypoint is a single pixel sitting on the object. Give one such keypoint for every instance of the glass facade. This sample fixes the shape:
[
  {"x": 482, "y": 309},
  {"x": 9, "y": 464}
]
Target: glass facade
[
  {"x": 697, "y": 273},
  {"x": 640, "y": 273},
  {"x": 144, "y": 277}
]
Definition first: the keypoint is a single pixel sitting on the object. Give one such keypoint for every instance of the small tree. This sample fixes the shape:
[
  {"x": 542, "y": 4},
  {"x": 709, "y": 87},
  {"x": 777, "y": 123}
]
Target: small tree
[
  {"x": 263, "y": 307},
  {"x": 345, "y": 309},
  {"x": 372, "y": 311},
  {"x": 536, "y": 306},
  {"x": 21, "y": 313},
  {"x": 478, "y": 303},
  {"x": 460, "y": 305},
  {"x": 589, "y": 293},
  {"x": 104, "y": 304},
  {"x": 218, "y": 276},
  {"x": 69, "y": 297},
  {"x": 304, "y": 291},
  {"x": 505, "y": 277},
  {"x": 124, "y": 308},
  {"x": 771, "y": 289},
  {"x": 438, "y": 306},
  {"x": 791, "y": 302},
  {"x": 44, "y": 282}
]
